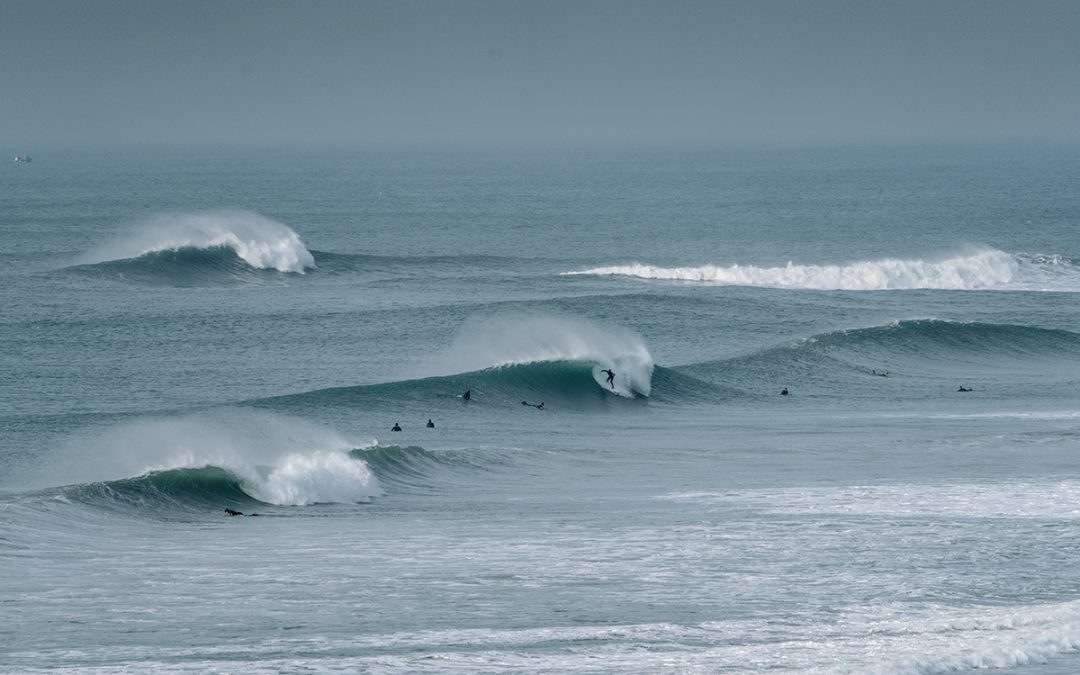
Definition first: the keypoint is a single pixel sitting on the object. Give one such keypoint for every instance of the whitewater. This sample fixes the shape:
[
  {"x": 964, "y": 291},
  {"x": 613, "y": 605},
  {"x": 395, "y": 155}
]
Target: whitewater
[
  {"x": 983, "y": 270},
  {"x": 840, "y": 434}
]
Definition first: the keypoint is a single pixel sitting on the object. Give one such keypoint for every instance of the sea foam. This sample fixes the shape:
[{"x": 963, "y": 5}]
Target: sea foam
[
  {"x": 261, "y": 242},
  {"x": 979, "y": 270}
]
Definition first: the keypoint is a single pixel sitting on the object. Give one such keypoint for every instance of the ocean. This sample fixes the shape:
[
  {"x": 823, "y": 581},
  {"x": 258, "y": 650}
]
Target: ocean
[{"x": 841, "y": 435}]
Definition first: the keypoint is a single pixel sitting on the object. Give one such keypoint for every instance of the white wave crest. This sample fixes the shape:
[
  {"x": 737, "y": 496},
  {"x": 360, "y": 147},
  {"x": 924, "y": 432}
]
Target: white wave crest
[
  {"x": 321, "y": 477},
  {"x": 279, "y": 460},
  {"x": 984, "y": 269},
  {"x": 261, "y": 242},
  {"x": 506, "y": 341}
]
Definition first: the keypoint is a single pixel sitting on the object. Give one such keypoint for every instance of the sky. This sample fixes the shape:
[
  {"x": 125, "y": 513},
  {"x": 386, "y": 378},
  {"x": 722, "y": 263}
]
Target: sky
[{"x": 335, "y": 72}]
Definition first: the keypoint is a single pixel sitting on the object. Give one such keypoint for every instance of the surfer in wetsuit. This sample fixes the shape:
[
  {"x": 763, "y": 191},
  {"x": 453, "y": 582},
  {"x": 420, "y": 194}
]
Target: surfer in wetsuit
[
  {"x": 784, "y": 391},
  {"x": 396, "y": 427},
  {"x": 538, "y": 406},
  {"x": 467, "y": 395},
  {"x": 231, "y": 512},
  {"x": 963, "y": 388},
  {"x": 430, "y": 424},
  {"x": 610, "y": 376}
]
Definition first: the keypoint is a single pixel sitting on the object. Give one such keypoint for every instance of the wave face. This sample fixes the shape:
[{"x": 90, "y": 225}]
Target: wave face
[
  {"x": 538, "y": 359},
  {"x": 846, "y": 361},
  {"x": 206, "y": 460},
  {"x": 517, "y": 341},
  {"x": 987, "y": 269},
  {"x": 188, "y": 238}
]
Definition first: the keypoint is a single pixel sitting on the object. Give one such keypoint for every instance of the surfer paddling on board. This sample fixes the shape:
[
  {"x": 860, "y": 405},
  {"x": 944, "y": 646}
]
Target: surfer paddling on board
[
  {"x": 610, "y": 377},
  {"x": 538, "y": 406}
]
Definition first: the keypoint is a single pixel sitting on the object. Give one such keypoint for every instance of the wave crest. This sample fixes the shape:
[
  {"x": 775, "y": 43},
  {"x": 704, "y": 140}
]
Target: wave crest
[
  {"x": 270, "y": 458},
  {"x": 981, "y": 270},
  {"x": 259, "y": 241},
  {"x": 510, "y": 341}
]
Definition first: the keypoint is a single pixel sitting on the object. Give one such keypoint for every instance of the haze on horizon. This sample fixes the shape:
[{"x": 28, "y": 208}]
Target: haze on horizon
[{"x": 335, "y": 72}]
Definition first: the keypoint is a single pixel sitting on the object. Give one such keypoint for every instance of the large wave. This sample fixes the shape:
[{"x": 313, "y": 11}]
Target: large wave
[
  {"x": 260, "y": 242},
  {"x": 514, "y": 341},
  {"x": 987, "y": 269},
  {"x": 217, "y": 458}
]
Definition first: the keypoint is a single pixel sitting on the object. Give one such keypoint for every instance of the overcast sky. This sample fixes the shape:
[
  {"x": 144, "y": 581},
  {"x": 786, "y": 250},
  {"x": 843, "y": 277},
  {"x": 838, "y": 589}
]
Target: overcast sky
[{"x": 270, "y": 72}]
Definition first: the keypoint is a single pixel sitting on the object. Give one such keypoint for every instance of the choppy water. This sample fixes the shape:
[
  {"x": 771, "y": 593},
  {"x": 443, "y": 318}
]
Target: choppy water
[{"x": 187, "y": 333}]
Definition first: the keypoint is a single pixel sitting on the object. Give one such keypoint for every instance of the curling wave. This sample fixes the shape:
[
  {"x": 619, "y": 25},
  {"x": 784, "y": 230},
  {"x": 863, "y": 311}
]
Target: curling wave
[
  {"x": 568, "y": 385},
  {"x": 517, "y": 341},
  {"x": 219, "y": 459},
  {"x": 258, "y": 241},
  {"x": 987, "y": 269},
  {"x": 508, "y": 359}
]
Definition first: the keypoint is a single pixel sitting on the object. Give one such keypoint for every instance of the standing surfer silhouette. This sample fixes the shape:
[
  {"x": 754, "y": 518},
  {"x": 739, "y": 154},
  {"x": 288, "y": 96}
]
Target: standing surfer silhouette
[{"x": 610, "y": 377}]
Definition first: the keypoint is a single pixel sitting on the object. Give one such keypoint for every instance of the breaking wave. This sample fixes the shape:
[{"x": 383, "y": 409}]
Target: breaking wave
[
  {"x": 517, "y": 341},
  {"x": 987, "y": 269},
  {"x": 214, "y": 460},
  {"x": 258, "y": 241}
]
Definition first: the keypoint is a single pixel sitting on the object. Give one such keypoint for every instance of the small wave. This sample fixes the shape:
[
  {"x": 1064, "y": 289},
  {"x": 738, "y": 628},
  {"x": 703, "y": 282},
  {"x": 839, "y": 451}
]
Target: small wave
[
  {"x": 845, "y": 361},
  {"x": 260, "y": 242},
  {"x": 987, "y": 269}
]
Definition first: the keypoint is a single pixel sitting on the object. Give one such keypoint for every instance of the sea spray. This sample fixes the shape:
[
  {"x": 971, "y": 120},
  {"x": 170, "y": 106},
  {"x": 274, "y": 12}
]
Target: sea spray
[
  {"x": 509, "y": 341},
  {"x": 276, "y": 459},
  {"x": 261, "y": 242}
]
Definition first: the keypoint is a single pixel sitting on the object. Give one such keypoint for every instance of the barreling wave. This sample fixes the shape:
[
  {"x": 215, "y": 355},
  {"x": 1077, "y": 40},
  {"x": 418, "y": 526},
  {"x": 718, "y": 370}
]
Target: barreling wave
[
  {"x": 170, "y": 241},
  {"x": 216, "y": 460},
  {"x": 987, "y": 269},
  {"x": 299, "y": 479},
  {"x": 568, "y": 385},
  {"x": 537, "y": 359},
  {"x": 575, "y": 343},
  {"x": 186, "y": 267}
]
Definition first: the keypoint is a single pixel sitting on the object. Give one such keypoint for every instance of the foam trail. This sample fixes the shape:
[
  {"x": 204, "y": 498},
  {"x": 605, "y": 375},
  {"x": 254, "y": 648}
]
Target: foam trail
[
  {"x": 279, "y": 460},
  {"x": 984, "y": 269},
  {"x": 259, "y": 241},
  {"x": 493, "y": 343}
]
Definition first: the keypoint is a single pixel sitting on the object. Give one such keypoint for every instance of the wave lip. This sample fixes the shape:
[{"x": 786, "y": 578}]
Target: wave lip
[
  {"x": 225, "y": 455},
  {"x": 299, "y": 479},
  {"x": 500, "y": 343},
  {"x": 259, "y": 241},
  {"x": 984, "y": 269}
]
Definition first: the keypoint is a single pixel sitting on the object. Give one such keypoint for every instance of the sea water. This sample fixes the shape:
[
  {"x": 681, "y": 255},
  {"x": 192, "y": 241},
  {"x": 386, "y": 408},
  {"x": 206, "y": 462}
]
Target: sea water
[{"x": 188, "y": 332}]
